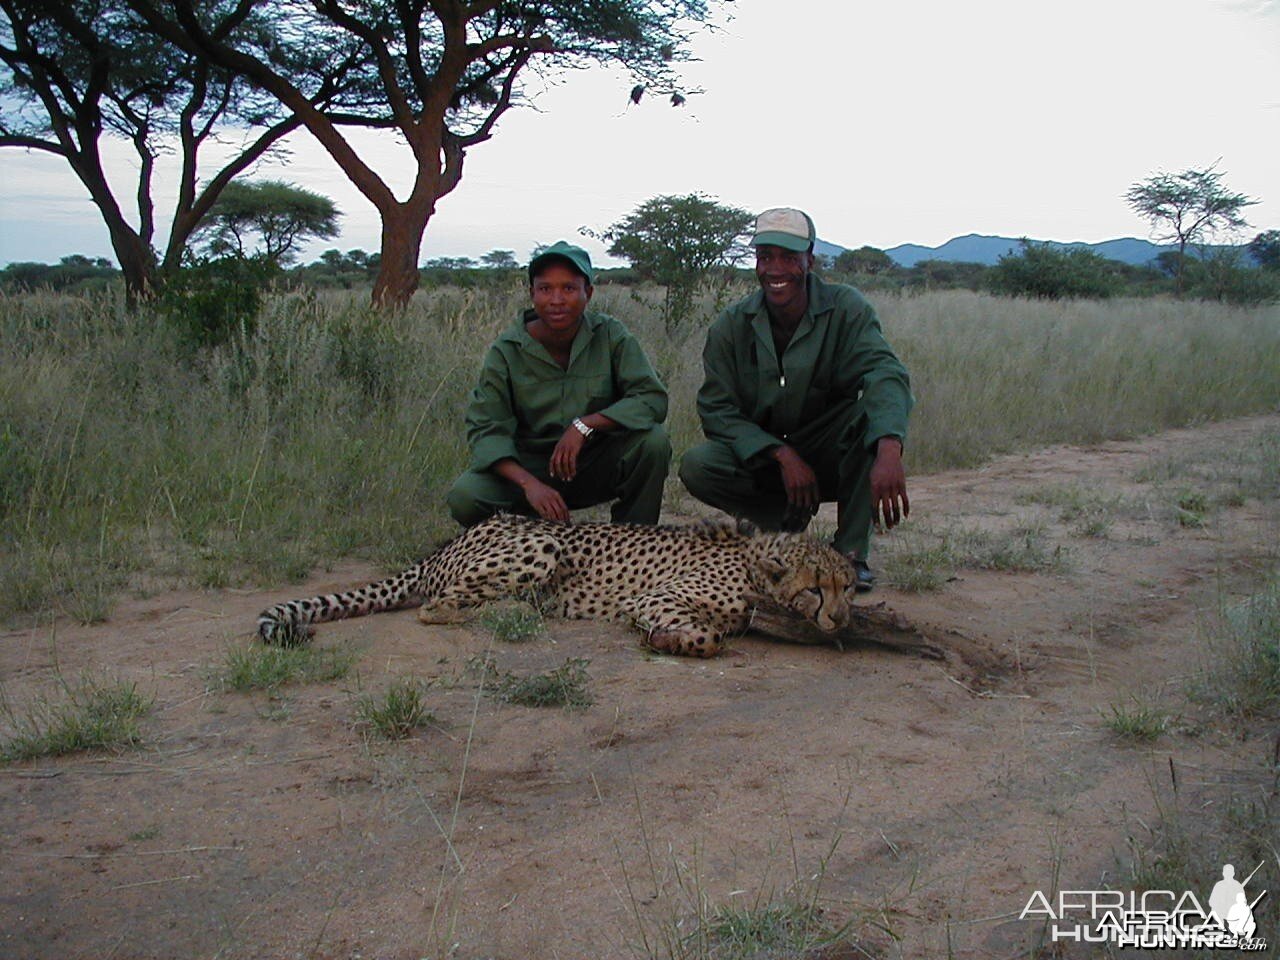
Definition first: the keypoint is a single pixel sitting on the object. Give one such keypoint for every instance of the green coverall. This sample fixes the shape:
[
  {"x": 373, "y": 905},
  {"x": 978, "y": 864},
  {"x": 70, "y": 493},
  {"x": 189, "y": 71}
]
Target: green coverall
[
  {"x": 524, "y": 402},
  {"x": 835, "y": 391}
]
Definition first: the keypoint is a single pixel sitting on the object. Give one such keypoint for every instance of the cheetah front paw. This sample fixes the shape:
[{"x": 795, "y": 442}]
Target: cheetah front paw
[
  {"x": 683, "y": 643},
  {"x": 442, "y": 615}
]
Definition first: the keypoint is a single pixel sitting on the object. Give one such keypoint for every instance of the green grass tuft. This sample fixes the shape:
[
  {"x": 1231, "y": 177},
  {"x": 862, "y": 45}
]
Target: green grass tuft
[
  {"x": 917, "y": 569},
  {"x": 1025, "y": 548},
  {"x": 1139, "y": 723},
  {"x": 1191, "y": 509},
  {"x": 397, "y": 713},
  {"x": 513, "y": 622},
  {"x": 92, "y": 715},
  {"x": 264, "y": 667},
  {"x": 788, "y": 929},
  {"x": 1088, "y": 511},
  {"x": 566, "y": 686}
]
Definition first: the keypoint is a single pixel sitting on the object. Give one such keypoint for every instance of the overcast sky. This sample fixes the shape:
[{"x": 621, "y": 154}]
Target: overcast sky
[{"x": 889, "y": 122}]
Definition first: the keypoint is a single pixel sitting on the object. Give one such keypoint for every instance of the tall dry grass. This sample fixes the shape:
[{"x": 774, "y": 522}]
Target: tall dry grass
[
  {"x": 126, "y": 461},
  {"x": 995, "y": 375}
]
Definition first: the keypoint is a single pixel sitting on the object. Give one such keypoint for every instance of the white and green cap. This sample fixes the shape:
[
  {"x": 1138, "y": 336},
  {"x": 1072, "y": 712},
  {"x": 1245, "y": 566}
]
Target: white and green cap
[{"x": 784, "y": 227}]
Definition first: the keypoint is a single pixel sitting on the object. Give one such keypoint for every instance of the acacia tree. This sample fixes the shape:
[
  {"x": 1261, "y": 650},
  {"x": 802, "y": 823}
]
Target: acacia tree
[
  {"x": 500, "y": 260},
  {"x": 871, "y": 261},
  {"x": 440, "y": 72},
  {"x": 1265, "y": 249},
  {"x": 73, "y": 72},
  {"x": 1191, "y": 207},
  {"x": 678, "y": 241},
  {"x": 278, "y": 213}
]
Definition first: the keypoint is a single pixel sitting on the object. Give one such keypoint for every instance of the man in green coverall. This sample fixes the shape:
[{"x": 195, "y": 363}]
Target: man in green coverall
[
  {"x": 803, "y": 402},
  {"x": 568, "y": 411}
]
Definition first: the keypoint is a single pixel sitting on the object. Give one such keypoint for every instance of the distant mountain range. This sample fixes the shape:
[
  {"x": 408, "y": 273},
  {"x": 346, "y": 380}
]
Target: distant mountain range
[{"x": 976, "y": 248}]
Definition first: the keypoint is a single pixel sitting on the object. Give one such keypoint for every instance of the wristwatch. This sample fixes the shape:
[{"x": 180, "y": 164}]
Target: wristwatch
[{"x": 582, "y": 428}]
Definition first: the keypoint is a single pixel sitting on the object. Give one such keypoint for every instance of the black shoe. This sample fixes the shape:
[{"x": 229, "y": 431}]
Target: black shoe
[{"x": 864, "y": 579}]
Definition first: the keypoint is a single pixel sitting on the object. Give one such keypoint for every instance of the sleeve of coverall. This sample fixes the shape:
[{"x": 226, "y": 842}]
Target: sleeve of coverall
[{"x": 491, "y": 421}]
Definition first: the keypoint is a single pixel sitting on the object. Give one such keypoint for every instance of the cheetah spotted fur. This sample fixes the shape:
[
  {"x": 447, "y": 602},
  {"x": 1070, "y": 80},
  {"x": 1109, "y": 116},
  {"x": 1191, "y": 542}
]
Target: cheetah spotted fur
[{"x": 684, "y": 587}]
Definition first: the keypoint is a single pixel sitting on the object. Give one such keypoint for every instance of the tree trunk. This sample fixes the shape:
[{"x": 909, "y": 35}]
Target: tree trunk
[
  {"x": 1182, "y": 264},
  {"x": 137, "y": 263},
  {"x": 132, "y": 249},
  {"x": 397, "y": 278}
]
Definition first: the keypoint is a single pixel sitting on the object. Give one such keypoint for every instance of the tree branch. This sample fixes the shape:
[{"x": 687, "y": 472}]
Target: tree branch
[
  {"x": 188, "y": 34},
  {"x": 485, "y": 130},
  {"x": 200, "y": 206},
  {"x": 31, "y": 143},
  {"x": 372, "y": 39}
]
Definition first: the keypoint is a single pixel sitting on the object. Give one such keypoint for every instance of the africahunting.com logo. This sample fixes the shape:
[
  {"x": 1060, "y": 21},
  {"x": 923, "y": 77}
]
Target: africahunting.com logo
[{"x": 1154, "y": 919}]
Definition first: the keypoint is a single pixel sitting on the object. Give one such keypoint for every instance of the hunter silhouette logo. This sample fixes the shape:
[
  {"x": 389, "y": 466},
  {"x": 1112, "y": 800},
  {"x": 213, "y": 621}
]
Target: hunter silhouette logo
[
  {"x": 1153, "y": 919},
  {"x": 1230, "y": 905}
]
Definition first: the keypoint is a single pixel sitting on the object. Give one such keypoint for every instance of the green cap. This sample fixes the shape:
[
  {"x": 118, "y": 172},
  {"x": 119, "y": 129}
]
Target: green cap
[
  {"x": 578, "y": 259},
  {"x": 784, "y": 227}
]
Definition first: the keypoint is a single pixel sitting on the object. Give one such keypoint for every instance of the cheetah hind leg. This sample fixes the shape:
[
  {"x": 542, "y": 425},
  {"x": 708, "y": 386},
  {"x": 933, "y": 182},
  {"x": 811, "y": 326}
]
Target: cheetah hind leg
[{"x": 526, "y": 567}]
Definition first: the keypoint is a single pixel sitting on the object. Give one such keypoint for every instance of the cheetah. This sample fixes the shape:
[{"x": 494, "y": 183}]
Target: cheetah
[{"x": 684, "y": 587}]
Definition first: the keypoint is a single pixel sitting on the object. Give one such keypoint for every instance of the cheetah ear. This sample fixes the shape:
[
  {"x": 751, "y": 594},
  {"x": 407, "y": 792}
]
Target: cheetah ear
[{"x": 773, "y": 566}]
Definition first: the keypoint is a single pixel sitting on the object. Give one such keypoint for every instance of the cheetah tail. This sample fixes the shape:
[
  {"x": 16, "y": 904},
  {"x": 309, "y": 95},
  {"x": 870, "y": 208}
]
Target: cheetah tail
[{"x": 289, "y": 623}]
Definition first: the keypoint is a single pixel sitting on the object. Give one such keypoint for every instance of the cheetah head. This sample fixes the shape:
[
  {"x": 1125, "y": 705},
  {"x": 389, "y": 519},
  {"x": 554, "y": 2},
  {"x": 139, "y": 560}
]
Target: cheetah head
[{"x": 808, "y": 578}]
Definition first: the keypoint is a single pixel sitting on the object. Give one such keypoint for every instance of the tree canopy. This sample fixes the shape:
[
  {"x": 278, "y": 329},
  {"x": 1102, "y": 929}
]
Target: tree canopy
[
  {"x": 1265, "y": 249},
  {"x": 500, "y": 260},
  {"x": 871, "y": 261},
  {"x": 677, "y": 241},
  {"x": 440, "y": 72},
  {"x": 1193, "y": 206},
  {"x": 75, "y": 71},
  {"x": 279, "y": 214}
]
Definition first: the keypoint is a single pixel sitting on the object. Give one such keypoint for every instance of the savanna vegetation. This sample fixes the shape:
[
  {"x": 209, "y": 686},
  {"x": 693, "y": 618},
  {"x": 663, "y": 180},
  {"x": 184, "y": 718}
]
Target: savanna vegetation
[{"x": 198, "y": 443}]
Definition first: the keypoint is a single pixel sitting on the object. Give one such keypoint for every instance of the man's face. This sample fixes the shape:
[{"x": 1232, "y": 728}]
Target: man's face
[
  {"x": 782, "y": 274},
  {"x": 560, "y": 296}
]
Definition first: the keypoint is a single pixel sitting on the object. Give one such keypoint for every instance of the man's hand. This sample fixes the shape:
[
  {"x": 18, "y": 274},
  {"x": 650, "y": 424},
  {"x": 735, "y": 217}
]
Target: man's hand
[
  {"x": 798, "y": 479},
  {"x": 546, "y": 501},
  {"x": 564, "y": 458},
  {"x": 889, "y": 503}
]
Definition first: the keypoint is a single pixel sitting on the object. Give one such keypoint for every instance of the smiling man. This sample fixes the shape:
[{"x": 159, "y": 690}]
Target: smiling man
[
  {"x": 803, "y": 402},
  {"x": 568, "y": 411}
]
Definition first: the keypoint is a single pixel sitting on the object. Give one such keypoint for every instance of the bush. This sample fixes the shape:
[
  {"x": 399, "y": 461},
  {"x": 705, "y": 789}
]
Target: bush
[
  {"x": 1219, "y": 275},
  {"x": 210, "y": 301},
  {"x": 75, "y": 273},
  {"x": 1046, "y": 273}
]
